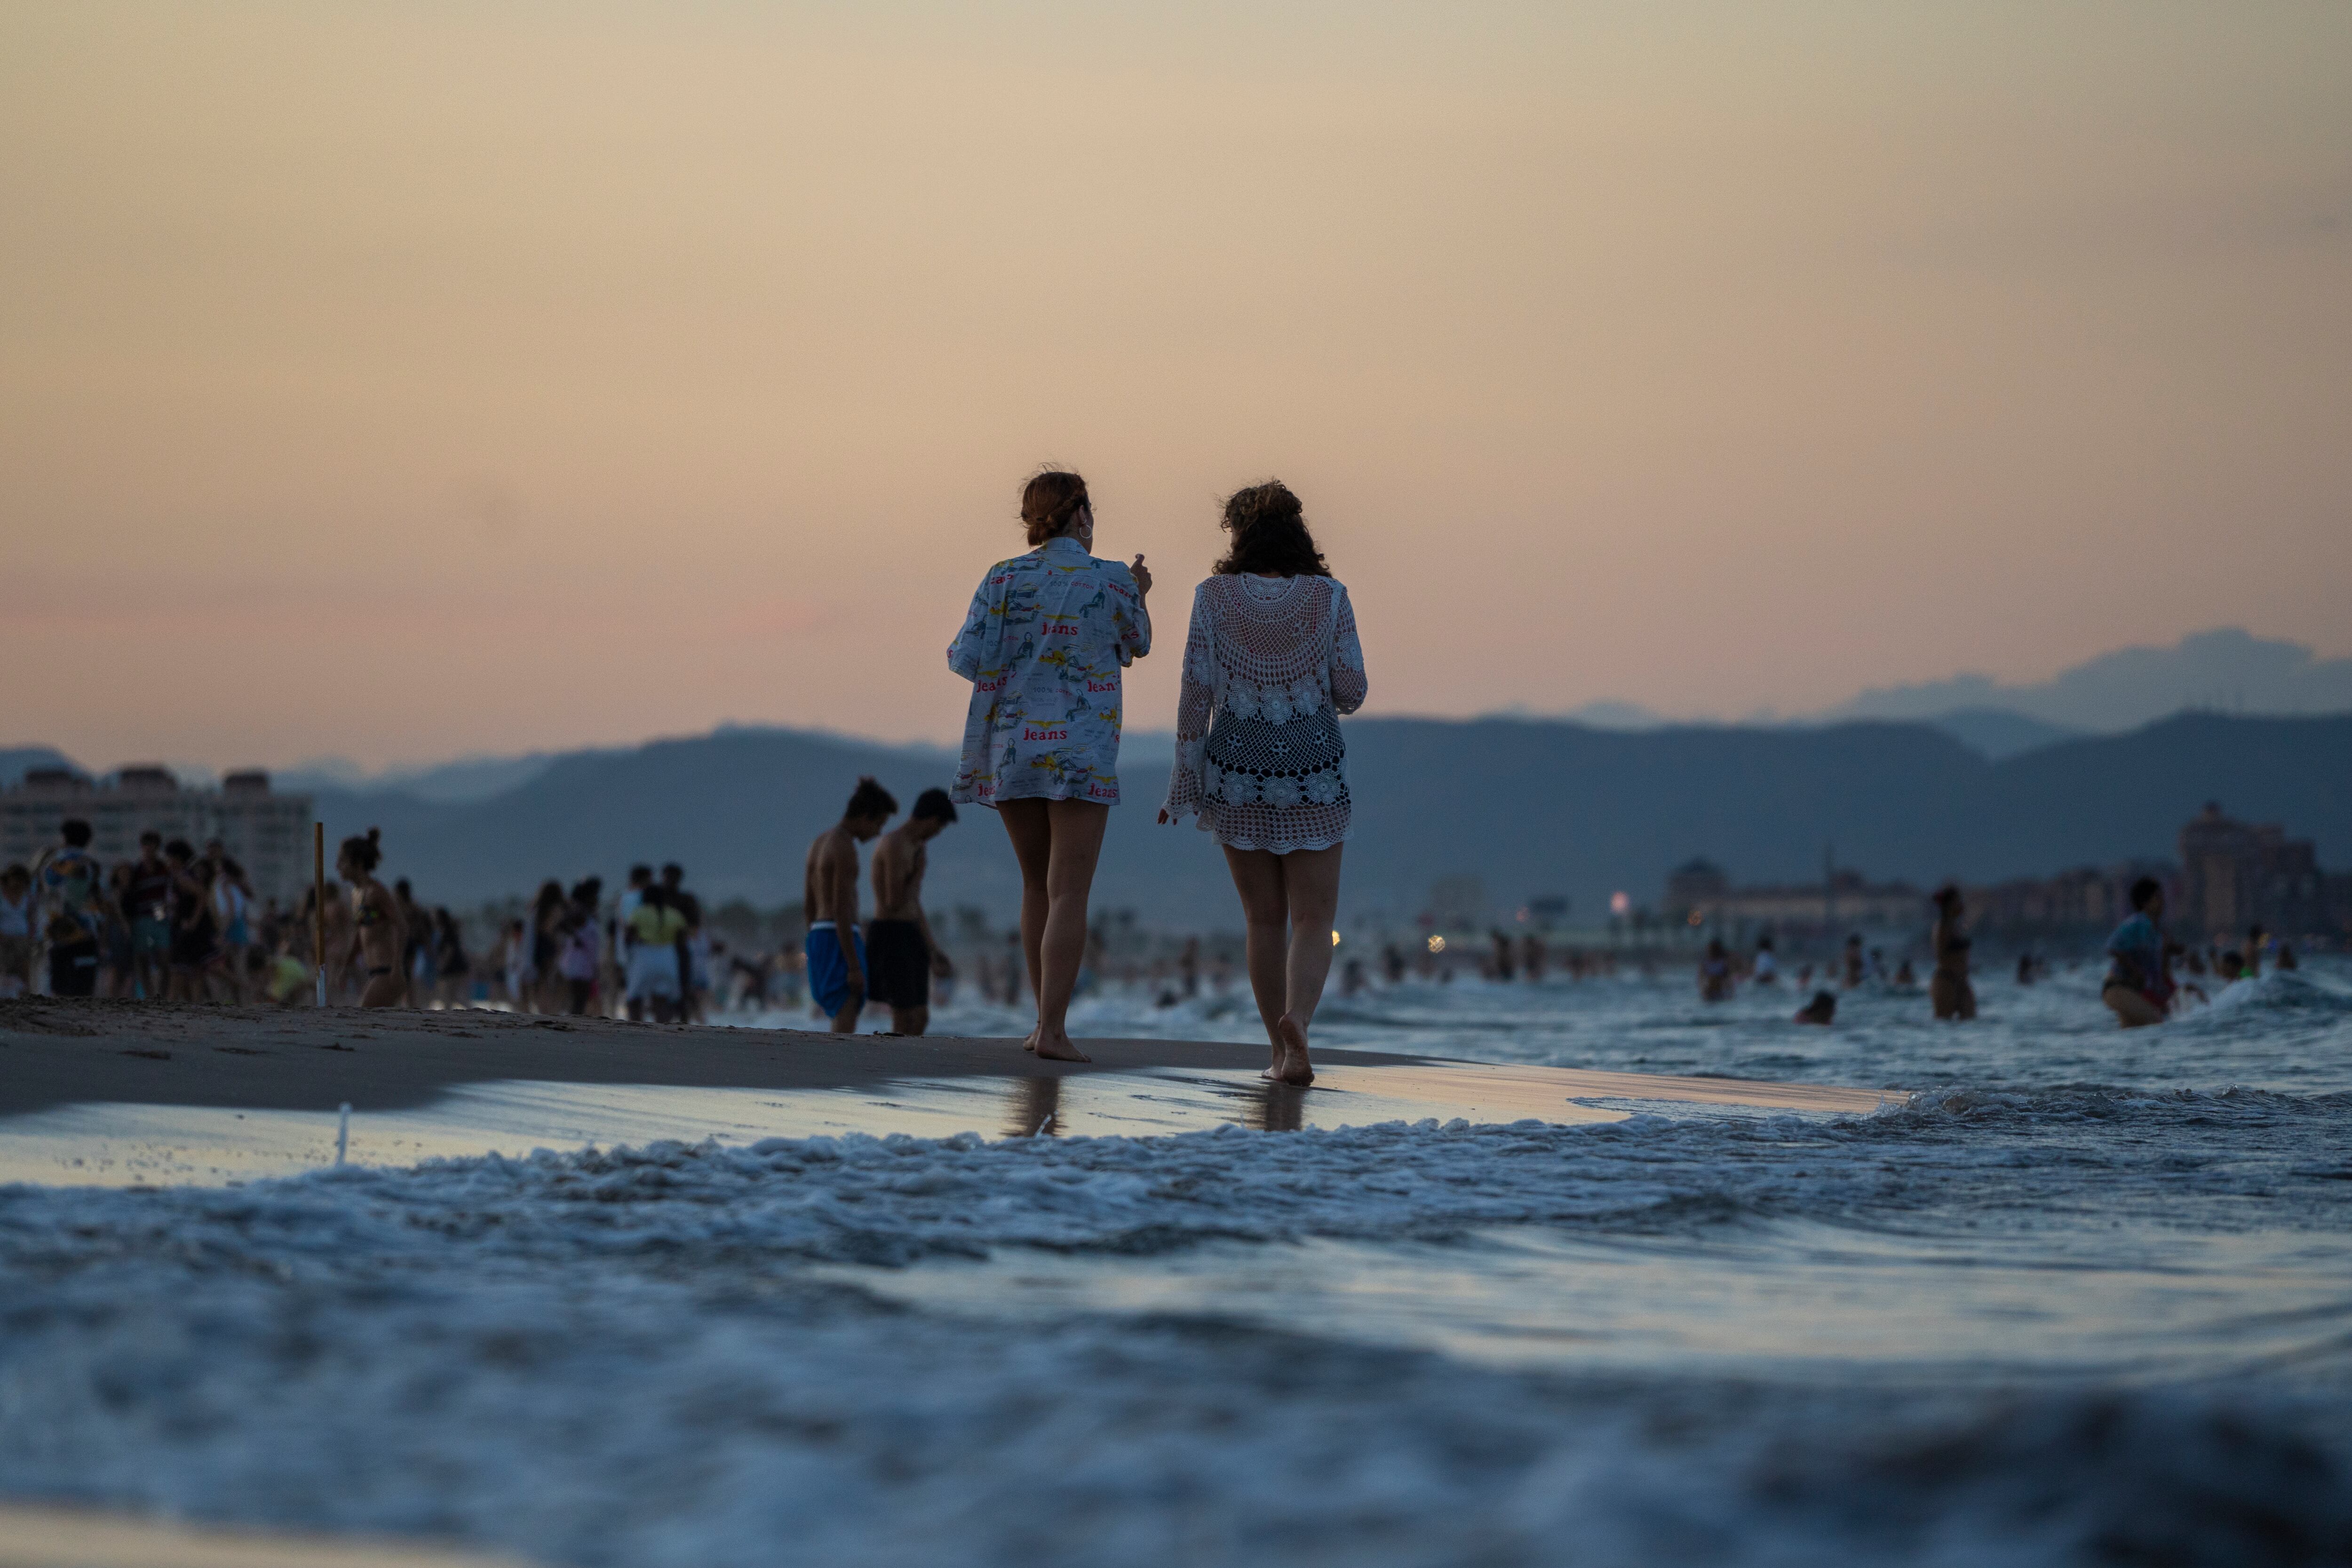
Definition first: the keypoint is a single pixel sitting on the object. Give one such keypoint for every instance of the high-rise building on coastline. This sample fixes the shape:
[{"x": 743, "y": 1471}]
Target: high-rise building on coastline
[
  {"x": 2237, "y": 874},
  {"x": 266, "y": 832}
]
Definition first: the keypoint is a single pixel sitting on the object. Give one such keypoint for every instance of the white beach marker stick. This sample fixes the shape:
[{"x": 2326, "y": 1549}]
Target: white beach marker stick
[{"x": 343, "y": 1132}]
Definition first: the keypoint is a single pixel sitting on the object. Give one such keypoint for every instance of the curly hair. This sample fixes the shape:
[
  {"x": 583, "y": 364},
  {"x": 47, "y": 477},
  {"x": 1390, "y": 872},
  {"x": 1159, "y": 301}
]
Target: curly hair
[{"x": 1270, "y": 536}]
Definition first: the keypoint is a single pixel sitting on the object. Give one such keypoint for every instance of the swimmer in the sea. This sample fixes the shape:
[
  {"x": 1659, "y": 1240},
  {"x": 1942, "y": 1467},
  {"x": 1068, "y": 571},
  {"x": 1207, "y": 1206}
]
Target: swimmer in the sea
[
  {"x": 1715, "y": 973},
  {"x": 1949, "y": 989},
  {"x": 1822, "y": 1009},
  {"x": 378, "y": 933},
  {"x": 2137, "y": 989}
]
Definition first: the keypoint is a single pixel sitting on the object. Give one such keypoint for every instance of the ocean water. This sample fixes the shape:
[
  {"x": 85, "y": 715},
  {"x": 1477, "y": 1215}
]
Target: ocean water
[{"x": 2086, "y": 1298}]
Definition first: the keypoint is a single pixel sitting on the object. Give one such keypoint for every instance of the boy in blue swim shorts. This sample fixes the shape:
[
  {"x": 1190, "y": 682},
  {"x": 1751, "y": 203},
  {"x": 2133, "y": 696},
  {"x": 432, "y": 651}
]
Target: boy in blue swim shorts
[{"x": 836, "y": 969}]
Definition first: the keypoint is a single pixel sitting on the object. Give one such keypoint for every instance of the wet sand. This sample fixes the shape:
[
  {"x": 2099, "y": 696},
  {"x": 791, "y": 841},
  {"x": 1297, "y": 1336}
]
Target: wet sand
[
  {"x": 124, "y": 1093},
  {"x": 61, "y": 1538}
]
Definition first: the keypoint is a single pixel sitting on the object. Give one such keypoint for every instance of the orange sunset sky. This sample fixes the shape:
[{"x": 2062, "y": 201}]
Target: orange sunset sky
[{"x": 398, "y": 382}]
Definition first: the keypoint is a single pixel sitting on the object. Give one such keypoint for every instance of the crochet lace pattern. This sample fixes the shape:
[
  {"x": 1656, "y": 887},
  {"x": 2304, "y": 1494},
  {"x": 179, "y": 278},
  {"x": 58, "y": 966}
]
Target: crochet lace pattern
[{"x": 1270, "y": 663}]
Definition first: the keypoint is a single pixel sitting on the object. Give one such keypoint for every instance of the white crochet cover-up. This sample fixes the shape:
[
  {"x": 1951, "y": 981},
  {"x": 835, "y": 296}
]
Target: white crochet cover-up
[{"x": 1269, "y": 665}]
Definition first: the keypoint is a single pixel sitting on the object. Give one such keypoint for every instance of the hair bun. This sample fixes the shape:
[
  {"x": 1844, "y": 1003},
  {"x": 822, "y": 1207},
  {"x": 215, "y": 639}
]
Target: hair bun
[{"x": 376, "y": 835}]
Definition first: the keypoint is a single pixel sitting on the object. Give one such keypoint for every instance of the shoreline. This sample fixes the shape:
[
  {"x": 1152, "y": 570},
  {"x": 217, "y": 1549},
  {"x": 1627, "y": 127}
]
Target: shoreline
[{"x": 123, "y": 1093}]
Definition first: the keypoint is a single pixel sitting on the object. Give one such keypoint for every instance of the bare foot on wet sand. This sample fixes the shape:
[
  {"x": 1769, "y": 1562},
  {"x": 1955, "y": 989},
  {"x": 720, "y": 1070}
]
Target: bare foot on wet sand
[
  {"x": 1057, "y": 1047},
  {"x": 1294, "y": 1070}
]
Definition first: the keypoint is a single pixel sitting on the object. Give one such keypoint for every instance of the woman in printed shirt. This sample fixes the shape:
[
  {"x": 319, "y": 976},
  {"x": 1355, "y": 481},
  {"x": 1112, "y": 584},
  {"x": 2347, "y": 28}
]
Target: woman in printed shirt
[
  {"x": 1048, "y": 634},
  {"x": 1271, "y": 662}
]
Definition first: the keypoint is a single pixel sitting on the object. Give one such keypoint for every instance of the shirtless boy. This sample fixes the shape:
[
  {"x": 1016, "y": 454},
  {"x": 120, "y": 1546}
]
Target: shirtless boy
[
  {"x": 902, "y": 956},
  {"x": 836, "y": 969}
]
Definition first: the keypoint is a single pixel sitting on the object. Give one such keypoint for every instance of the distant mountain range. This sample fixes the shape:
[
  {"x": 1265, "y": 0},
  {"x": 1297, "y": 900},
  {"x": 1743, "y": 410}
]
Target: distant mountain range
[
  {"x": 1530, "y": 806},
  {"x": 2227, "y": 670}
]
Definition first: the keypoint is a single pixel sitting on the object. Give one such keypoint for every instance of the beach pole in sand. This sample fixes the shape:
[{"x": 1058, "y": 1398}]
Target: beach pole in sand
[{"x": 318, "y": 903}]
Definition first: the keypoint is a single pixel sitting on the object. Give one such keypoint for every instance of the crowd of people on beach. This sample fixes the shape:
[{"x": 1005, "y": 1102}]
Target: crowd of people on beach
[
  {"x": 1272, "y": 658},
  {"x": 173, "y": 924}
]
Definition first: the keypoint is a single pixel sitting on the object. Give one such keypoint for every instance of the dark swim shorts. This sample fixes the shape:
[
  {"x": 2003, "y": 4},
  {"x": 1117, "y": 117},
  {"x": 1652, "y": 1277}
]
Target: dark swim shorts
[{"x": 897, "y": 964}]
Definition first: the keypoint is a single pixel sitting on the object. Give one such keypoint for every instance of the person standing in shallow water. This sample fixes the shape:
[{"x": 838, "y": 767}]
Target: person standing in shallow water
[
  {"x": 1271, "y": 661},
  {"x": 835, "y": 952},
  {"x": 1043, "y": 647},
  {"x": 902, "y": 955},
  {"x": 1948, "y": 991},
  {"x": 2138, "y": 990}
]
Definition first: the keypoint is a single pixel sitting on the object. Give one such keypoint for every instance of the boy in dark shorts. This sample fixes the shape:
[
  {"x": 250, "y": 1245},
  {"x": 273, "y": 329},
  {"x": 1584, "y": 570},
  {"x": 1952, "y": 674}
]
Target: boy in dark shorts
[{"x": 901, "y": 956}]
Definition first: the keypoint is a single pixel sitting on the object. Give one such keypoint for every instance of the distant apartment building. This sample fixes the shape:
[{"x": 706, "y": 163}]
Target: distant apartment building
[
  {"x": 2089, "y": 898},
  {"x": 1700, "y": 893},
  {"x": 266, "y": 832},
  {"x": 2236, "y": 874}
]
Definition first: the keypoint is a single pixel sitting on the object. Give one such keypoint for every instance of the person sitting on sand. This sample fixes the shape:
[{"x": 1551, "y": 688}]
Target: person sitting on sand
[
  {"x": 1822, "y": 1009},
  {"x": 1948, "y": 991},
  {"x": 2137, "y": 989},
  {"x": 902, "y": 955},
  {"x": 837, "y": 967},
  {"x": 378, "y": 932}
]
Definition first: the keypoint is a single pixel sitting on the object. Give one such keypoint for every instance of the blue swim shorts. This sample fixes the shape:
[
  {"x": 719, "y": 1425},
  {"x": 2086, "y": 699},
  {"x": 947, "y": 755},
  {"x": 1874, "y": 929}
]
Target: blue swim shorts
[{"x": 828, "y": 972}]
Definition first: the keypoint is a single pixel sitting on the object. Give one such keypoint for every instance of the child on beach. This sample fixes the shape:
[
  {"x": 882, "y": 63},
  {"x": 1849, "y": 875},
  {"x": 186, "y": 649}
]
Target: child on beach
[
  {"x": 837, "y": 956},
  {"x": 903, "y": 957}
]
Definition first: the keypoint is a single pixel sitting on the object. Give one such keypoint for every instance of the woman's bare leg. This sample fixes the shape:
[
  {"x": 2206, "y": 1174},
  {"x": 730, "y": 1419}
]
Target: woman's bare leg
[
  {"x": 1310, "y": 877},
  {"x": 1266, "y": 919},
  {"x": 1057, "y": 843},
  {"x": 1032, "y": 833},
  {"x": 1078, "y": 833}
]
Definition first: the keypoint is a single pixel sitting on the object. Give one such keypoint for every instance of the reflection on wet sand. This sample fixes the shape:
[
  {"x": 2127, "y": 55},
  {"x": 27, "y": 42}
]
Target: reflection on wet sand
[
  {"x": 1033, "y": 1106},
  {"x": 118, "y": 1144},
  {"x": 1270, "y": 1106}
]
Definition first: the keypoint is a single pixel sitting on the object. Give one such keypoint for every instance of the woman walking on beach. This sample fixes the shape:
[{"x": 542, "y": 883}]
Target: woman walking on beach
[
  {"x": 1271, "y": 662},
  {"x": 378, "y": 930},
  {"x": 1043, "y": 645}
]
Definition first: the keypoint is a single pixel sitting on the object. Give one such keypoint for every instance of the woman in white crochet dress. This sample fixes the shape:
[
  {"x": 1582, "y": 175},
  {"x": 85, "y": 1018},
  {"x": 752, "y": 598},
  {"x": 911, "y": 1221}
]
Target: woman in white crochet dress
[{"x": 1271, "y": 662}]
